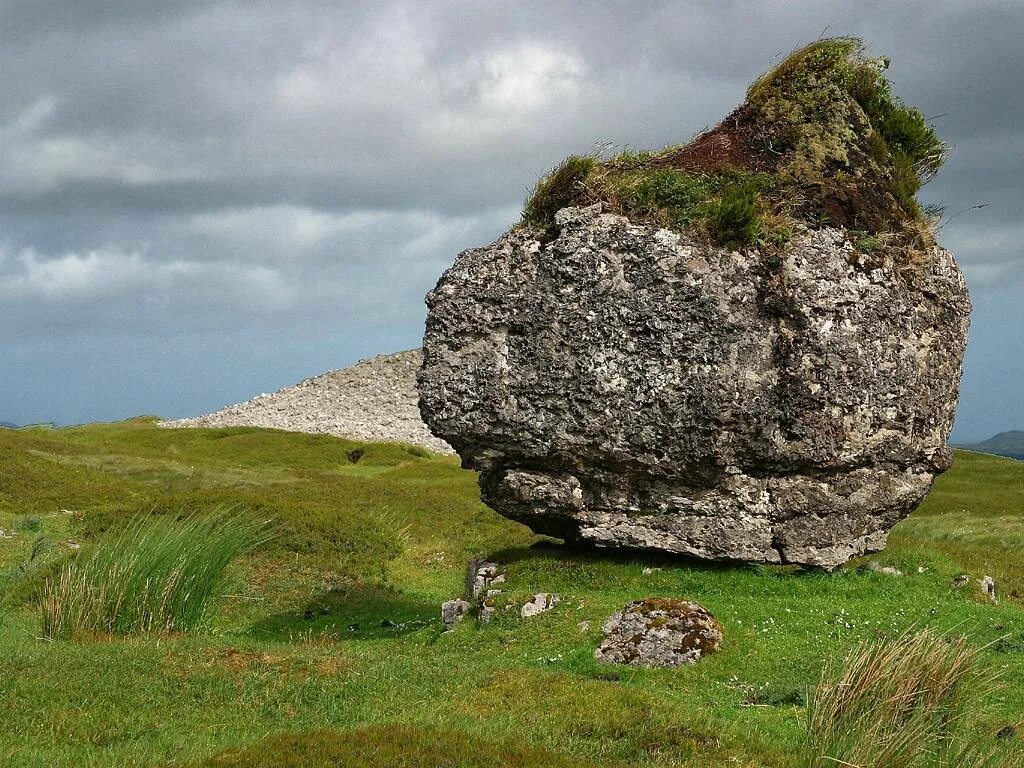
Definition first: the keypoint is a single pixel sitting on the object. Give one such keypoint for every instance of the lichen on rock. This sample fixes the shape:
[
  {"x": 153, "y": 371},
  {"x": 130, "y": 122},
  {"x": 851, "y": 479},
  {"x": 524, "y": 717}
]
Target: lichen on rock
[{"x": 659, "y": 632}]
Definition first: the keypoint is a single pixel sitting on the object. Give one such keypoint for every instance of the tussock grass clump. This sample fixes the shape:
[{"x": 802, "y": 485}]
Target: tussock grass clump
[
  {"x": 820, "y": 140},
  {"x": 155, "y": 575},
  {"x": 903, "y": 703}
]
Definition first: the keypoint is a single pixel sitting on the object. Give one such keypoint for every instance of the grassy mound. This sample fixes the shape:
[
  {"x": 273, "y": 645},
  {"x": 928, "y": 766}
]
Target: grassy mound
[
  {"x": 390, "y": 746},
  {"x": 820, "y": 140}
]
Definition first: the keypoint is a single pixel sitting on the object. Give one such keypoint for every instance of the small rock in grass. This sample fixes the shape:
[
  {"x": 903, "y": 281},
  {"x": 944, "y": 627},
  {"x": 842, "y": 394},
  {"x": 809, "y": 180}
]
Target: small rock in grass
[
  {"x": 888, "y": 570},
  {"x": 583, "y": 626},
  {"x": 541, "y": 602},
  {"x": 961, "y": 581},
  {"x": 988, "y": 587},
  {"x": 487, "y": 613},
  {"x": 480, "y": 574},
  {"x": 452, "y": 612},
  {"x": 659, "y": 632}
]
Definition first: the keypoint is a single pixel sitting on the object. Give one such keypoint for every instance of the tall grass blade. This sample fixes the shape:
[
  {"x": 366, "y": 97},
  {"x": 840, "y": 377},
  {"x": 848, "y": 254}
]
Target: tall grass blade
[
  {"x": 903, "y": 703},
  {"x": 155, "y": 575}
]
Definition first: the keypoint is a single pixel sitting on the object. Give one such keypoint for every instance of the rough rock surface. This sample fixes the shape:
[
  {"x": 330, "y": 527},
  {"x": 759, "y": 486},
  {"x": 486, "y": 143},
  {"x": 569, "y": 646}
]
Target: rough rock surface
[
  {"x": 373, "y": 400},
  {"x": 659, "y": 632},
  {"x": 480, "y": 574},
  {"x": 623, "y": 385}
]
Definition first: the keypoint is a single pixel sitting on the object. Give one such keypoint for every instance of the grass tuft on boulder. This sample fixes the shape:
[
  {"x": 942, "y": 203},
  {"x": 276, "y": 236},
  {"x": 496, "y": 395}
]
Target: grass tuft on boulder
[{"x": 821, "y": 140}]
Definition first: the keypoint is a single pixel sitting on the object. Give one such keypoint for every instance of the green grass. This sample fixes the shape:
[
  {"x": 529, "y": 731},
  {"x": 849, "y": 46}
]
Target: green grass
[
  {"x": 388, "y": 747},
  {"x": 152, "y": 575},
  {"x": 328, "y": 638}
]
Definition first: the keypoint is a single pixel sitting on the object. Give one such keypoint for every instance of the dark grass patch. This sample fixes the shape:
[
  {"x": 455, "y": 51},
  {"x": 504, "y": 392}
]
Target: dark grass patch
[
  {"x": 390, "y": 746},
  {"x": 558, "y": 189},
  {"x": 596, "y": 709},
  {"x": 361, "y": 610}
]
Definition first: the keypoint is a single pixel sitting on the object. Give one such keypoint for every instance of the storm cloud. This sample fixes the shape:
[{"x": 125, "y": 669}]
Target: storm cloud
[{"x": 204, "y": 200}]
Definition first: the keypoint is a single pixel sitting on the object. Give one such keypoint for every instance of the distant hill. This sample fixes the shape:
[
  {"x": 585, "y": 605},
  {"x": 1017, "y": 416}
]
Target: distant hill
[
  {"x": 8, "y": 425},
  {"x": 1004, "y": 444},
  {"x": 375, "y": 399}
]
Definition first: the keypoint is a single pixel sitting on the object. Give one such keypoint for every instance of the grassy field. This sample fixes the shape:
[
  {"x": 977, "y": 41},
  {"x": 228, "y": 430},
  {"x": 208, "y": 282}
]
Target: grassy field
[{"x": 327, "y": 647}]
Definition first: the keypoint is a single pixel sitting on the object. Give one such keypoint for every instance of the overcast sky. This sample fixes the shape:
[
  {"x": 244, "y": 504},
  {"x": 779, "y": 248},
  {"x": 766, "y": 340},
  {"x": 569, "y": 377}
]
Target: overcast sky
[{"x": 201, "y": 201}]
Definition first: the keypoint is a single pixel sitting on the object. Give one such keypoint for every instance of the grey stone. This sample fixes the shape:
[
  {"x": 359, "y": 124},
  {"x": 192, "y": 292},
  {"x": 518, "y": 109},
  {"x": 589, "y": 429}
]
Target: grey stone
[
  {"x": 621, "y": 385},
  {"x": 539, "y": 603},
  {"x": 452, "y": 612},
  {"x": 487, "y": 613},
  {"x": 988, "y": 587},
  {"x": 659, "y": 632},
  {"x": 886, "y": 570},
  {"x": 480, "y": 574}
]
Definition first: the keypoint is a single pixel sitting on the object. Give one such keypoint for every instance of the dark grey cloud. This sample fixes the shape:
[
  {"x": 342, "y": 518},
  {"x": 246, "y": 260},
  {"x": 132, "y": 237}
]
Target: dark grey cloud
[{"x": 268, "y": 175}]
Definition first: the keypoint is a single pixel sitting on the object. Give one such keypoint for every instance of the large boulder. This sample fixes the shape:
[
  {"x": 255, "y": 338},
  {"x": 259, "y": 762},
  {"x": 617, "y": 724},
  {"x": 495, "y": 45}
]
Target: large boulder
[
  {"x": 624, "y": 385},
  {"x": 745, "y": 347}
]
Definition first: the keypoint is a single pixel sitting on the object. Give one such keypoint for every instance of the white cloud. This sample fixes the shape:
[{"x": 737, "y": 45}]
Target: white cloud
[
  {"x": 528, "y": 77},
  {"x": 114, "y": 275},
  {"x": 38, "y": 156},
  {"x": 284, "y": 230}
]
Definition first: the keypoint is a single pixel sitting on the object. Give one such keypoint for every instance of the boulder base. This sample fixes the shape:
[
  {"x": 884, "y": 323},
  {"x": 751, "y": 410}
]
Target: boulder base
[{"x": 622, "y": 385}]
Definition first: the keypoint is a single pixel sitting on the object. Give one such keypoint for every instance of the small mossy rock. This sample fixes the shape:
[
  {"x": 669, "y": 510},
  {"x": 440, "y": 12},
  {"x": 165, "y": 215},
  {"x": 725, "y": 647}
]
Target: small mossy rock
[{"x": 659, "y": 632}]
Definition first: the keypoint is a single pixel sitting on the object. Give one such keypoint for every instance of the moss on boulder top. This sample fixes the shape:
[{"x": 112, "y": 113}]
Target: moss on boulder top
[{"x": 820, "y": 140}]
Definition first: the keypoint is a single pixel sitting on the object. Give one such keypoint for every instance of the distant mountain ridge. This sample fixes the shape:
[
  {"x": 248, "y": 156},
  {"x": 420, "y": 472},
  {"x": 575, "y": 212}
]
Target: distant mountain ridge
[
  {"x": 1010, "y": 444},
  {"x": 8, "y": 425}
]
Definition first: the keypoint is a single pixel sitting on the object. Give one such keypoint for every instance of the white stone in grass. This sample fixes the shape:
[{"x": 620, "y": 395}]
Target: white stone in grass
[
  {"x": 887, "y": 570},
  {"x": 541, "y": 602}
]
